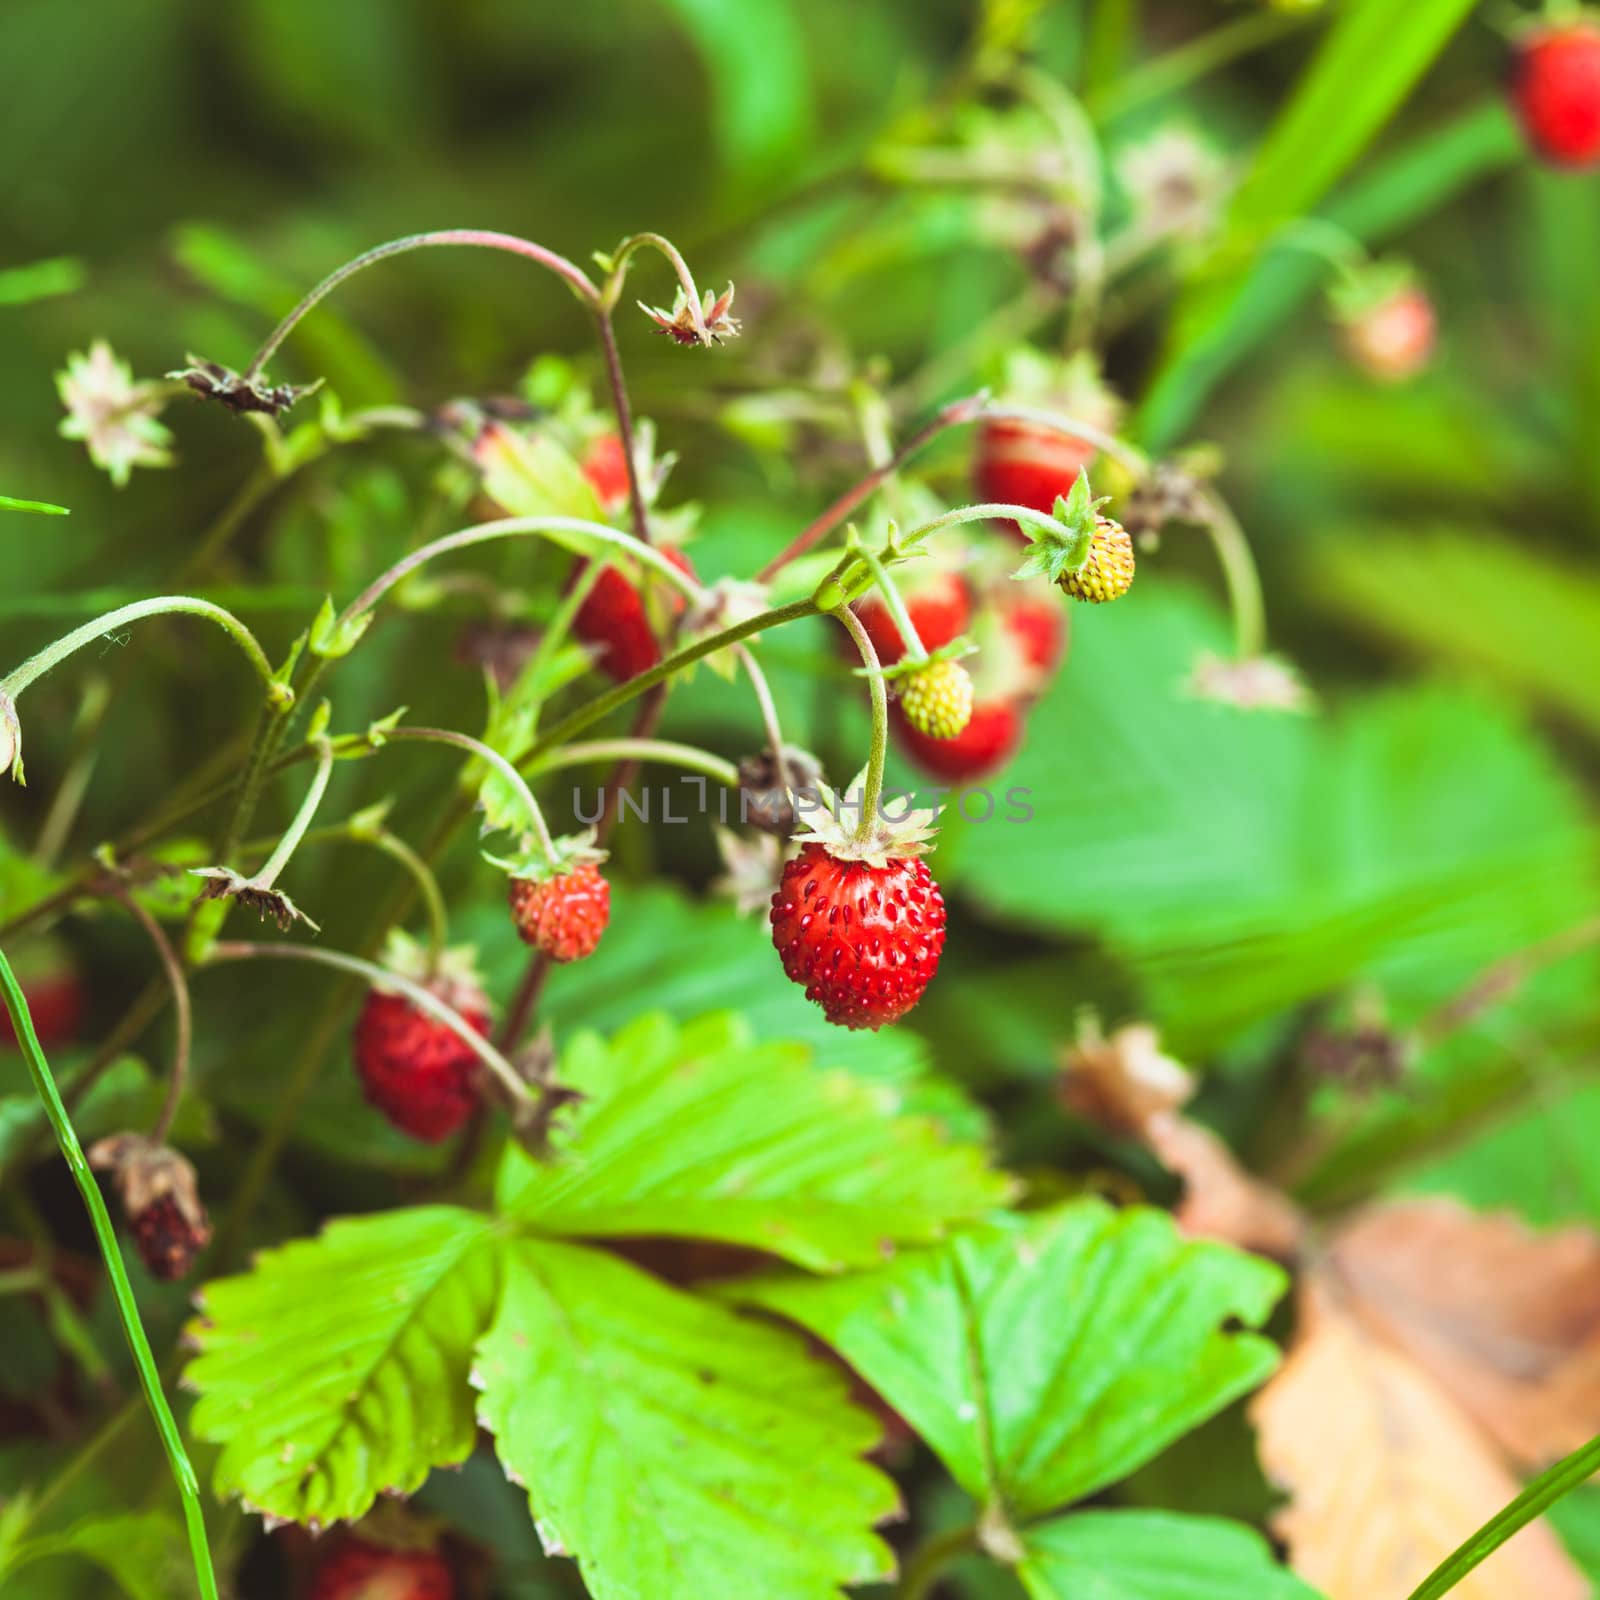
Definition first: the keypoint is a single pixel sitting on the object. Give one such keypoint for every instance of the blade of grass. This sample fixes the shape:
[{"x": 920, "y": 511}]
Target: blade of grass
[
  {"x": 1566, "y": 1475},
  {"x": 127, "y": 1309}
]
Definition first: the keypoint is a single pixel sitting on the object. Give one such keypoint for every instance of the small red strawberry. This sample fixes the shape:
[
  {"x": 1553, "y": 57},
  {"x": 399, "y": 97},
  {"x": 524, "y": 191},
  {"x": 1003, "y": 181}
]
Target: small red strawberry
[
  {"x": 860, "y": 923},
  {"x": 1555, "y": 89},
  {"x": 414, "y": 1069},
  {"x": 361, "y": 1571},
  {"x": 939, "y": 603},
  {"x": 563, "y": 915},
  {"x": 605, "y": 465},
  {"x": 1393, "y": 339},
  {"x": 1026, "y": 463},
  {"x": 989, "y": 740},
  {"x": 614, "y": 621},
  {"x": 1037, "y": 624}
]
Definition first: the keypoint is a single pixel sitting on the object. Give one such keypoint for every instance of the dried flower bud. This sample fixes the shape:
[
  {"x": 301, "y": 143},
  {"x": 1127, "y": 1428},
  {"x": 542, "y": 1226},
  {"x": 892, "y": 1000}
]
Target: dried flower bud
[
  {"x": 766, "y": 795},
  {"x": 239, "y": 394},
  {"x": 161, "y": 1199},
  {"x": 715, "y": 325},
  {"x": 223, "y": 883}
]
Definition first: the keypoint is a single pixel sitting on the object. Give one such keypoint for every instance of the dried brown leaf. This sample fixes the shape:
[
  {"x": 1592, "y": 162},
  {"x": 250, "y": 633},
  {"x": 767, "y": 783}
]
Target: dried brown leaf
[
  {"x": 1386, "y": 1474},
  {"x": 1505, "y": 1319},
  {"x": 1220, "y": 1199}
]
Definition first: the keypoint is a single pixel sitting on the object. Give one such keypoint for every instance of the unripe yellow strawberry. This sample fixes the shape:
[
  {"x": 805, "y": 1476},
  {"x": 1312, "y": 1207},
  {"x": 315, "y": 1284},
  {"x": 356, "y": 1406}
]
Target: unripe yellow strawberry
[
  {"x": 1108, "y": 573},
  {"x": 937, "y": 699}
]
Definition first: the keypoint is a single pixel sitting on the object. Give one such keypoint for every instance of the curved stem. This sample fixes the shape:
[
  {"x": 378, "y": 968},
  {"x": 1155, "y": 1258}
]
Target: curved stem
[
  {"x": 624, "y": 253},
  {"x": 182, "y": 1011},
  {"x": 954, "y": 415},
  {"x": 53, "y": 654},
  {"x": 127, "y": 1308},
  {"x": 959, "y": 413},
  {"x": 480, "y": 238},
  {"x": 519, "y": 787},
  {"x": 421, "y": 998},
  {"x": 603, "y": 705},
  {"x": 667, "y": 751},
  {"x": 880, "y": 720},
  {"x": 512, "y": 528},
  {"x": 767, "y": 705},
  {"x": 894, "y": 602},
  {"x": 396, "y": 848},
  {"x": 638, "y": 511},
  {"x": 279, "y": 859},
  {"x": 1243, "y": 581}
]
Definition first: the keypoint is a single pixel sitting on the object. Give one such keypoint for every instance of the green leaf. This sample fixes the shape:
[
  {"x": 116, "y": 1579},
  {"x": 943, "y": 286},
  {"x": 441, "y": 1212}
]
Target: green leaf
[
  {"x": 8, "y": 504},
  {"x": 755, "y": 55},
  {"x": 534, "y": 475},
  {"x": 336, "y": 1370},
  {"x": 142, "y": 1552},
  {"x": 41, "y": 280},
  {"x": 1045, "y": 1357},
  {"x": 1221, "y": 319},
  {"x": 1152, "y": 1555},
  {"x": 1243, "y": 862},
  {"x": 674, "y": 1449},
  {"x": 698, "y": 1131},
  {"x": 665, "y": 951},
  {"x": 1474, "y": 597},
  {"x": 1366, "y": 65}
]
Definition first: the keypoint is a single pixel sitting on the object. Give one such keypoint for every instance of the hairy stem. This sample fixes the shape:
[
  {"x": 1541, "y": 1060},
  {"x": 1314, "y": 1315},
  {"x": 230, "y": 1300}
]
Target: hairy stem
[
  {"x": 423, "y": 999},
  {"x": 1240, "y": 575},
  {"x": 122, "y": 1291},
  {"x": 512, "y": 528},
  {"x": 618, "y": 385},
  {"x": 519, "y": 787},
  {"x": 603, "y": 705},
  {"x": 880, "y": 720},
  {"x": 479, "y": 238},
  {"x": 688, "y": 756},
  {"x": 53, "y": 654},
  {"x": 279, "y": 859}
]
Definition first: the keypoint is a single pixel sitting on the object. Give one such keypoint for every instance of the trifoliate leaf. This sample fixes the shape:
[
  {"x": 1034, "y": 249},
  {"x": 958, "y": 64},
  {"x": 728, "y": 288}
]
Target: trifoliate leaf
[
  {"x": 1152, "y": 1555},
  {"x": 1045, "y": 1357},
  {"x": 674, "y": 1449},
  {"x": 336, "y": 1370},
  {"x": 699, "y": 1131}
]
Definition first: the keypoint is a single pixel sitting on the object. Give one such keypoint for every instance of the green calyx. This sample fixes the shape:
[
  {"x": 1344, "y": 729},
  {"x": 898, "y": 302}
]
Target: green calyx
[
  {"x": 1055, "y": 555},
  {"x": 533, "y": 861}
]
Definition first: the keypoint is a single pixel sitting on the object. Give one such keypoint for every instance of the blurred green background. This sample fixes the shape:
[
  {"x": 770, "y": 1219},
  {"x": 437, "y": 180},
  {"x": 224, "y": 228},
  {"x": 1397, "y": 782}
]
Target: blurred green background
[{"x": 1428, "y": 551}]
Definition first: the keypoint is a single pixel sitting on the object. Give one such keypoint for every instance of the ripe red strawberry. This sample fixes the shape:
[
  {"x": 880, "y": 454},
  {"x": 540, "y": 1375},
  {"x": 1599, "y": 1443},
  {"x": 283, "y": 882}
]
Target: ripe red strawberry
[
  {"x": 940, "y": 605},
  {"x": 563, "y": 915},
  {"x": 1555, "y": 88},
  {"x": 1026, "y": 463},
  {"x": 414, "y": 1069},
  {"x": 1393, "y": 339},
  {"x": 361, "y": 1571},
  {"x": 605, "y": 465},
  {"x": 614, "y": 621},
  {"x": 988, "y": 741},
  {"x": 864, "y": 936},
  {"x": 1037, "y": 623},
  {"x": 1021, "y": 464}
]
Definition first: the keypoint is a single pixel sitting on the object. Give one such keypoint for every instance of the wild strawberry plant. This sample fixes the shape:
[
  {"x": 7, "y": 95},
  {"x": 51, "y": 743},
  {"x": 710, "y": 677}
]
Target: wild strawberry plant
[{"x": 673, "y": 1222}]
